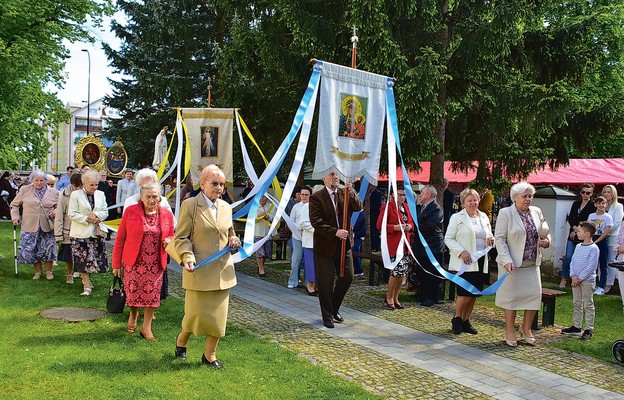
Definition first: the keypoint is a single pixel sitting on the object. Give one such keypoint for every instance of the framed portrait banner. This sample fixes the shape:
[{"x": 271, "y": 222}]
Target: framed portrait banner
[
  {"x": 90, "y": 150},
  {"x": 116, "y": 159}
]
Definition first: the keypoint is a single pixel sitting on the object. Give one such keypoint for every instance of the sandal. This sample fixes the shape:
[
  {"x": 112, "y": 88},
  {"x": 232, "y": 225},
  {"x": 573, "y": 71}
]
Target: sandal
[
  {"x": 86, "y": 292},
  {"x": 70, "y": 279},
  {"x": 49, "y": 275},
  {"x": 37, "y": 276}
]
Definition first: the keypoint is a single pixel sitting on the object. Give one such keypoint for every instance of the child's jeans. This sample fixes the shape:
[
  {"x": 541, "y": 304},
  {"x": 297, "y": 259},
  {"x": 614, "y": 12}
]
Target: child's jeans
[{"x": 583, "y": 298}]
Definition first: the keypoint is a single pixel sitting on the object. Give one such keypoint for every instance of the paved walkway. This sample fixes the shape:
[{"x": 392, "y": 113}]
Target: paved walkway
[{"x": 387, "y": 355}]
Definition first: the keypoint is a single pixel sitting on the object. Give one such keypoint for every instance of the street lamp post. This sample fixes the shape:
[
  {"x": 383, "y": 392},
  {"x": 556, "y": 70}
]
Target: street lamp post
[{"x": 88, "y": 93}]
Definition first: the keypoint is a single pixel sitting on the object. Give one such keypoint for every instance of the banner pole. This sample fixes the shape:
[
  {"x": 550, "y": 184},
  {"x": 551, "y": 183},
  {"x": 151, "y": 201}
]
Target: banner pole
[{"x": 345, "y": 206}]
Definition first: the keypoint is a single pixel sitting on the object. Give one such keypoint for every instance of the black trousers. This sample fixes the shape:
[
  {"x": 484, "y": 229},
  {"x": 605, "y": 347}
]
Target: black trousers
[
  {"x": 430, "y": 284},
  {"x": 331, "y": 287}
]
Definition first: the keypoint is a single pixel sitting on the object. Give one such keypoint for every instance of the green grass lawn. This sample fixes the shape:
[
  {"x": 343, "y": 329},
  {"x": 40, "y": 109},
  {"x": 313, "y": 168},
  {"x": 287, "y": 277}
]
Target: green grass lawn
[{"x": 41, "y": 358}]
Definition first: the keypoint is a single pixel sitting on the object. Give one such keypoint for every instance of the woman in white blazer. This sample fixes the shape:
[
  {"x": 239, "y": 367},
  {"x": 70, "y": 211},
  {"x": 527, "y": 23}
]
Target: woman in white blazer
[
  {"x": 521, "y": 230},
  {"x": 307, "y": 242},
  {"x": 468, "y": 231},
  {"x": 87, "y": 209}
]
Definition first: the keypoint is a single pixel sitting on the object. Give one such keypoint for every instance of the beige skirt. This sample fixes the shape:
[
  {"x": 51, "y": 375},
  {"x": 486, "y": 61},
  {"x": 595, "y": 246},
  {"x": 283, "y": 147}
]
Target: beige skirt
[
  {"x": 205, "y": 313},
  {"x": 521, "y": 290}
]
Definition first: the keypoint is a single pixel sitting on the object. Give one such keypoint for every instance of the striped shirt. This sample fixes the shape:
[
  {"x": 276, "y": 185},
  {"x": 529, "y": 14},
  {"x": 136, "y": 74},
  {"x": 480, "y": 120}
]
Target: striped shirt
[{"x": 584, "y": 261}]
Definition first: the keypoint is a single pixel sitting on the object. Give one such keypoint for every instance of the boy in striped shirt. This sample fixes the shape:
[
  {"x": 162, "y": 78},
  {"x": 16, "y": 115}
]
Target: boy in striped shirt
[{"x": 583, "y": 272}]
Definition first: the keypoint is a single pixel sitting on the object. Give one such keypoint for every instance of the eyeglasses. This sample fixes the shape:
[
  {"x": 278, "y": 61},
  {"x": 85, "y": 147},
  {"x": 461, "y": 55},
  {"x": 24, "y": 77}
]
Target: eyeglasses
[
  {"x": 584, "y": 192},
  {"x": 402, "y": 194},
  {"x": 215, "y": 183},
  {"x": 51, "y": 184}
]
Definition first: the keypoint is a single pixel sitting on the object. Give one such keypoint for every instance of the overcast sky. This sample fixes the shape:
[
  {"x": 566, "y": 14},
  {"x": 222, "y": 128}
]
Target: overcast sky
[{"x": 77, "y": 66}]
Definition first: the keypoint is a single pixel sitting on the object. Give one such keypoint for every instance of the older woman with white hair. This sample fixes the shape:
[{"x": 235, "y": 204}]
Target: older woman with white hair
[
  {"x": 37, "y": 241},
  {"x": 521, "y": 230},
  {"x": 143, "y": 177},
  {"x": 87, "y": 210}
]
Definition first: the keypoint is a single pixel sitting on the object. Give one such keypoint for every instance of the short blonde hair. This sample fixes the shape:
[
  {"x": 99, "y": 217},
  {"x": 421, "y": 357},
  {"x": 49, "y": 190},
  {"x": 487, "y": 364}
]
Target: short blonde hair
[
  {"x": 467, "y": 192},
  {"x": 520, "y": 188}
]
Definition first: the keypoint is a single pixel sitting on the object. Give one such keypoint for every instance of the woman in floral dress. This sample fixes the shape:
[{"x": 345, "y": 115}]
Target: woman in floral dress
[{"x": 139, "y": 249}]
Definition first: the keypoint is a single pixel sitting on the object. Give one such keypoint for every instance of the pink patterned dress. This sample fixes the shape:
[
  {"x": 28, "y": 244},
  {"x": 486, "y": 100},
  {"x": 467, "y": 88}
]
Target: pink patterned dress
[{"x": 143, "y": 280}]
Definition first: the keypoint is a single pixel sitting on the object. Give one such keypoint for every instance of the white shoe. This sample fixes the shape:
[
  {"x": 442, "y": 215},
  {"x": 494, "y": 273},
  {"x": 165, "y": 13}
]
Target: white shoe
[
  {"x": 76, "y": 274},
  {"x": 599, "y": 291}
]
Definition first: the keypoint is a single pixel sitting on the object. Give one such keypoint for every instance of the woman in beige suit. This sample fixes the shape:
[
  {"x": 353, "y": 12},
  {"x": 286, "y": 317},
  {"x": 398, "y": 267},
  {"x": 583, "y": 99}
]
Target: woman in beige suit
[
  {"x": 468, "y": 231},
  {"x": 37, "y": 243},
  {"x": 520, "y": 231},
  {"x": 204, "y": 228}
]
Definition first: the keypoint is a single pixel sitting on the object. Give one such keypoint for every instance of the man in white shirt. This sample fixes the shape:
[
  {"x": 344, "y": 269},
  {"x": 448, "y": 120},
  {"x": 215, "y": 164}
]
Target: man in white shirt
[{"x": 126, "y": 188}]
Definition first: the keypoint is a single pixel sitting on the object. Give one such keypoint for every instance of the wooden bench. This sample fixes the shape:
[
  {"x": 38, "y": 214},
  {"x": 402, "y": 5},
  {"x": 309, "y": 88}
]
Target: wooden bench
[
  {"x": 549, "y": 296},
  {"x": 374, "y": 259}
]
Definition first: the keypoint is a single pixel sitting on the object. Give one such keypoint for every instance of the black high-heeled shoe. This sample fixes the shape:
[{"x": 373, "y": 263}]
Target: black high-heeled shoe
[
  {"x": 261, "y": 275},
  {"x": 180, "y": 352},
  {"x": 314, "y": 293}
]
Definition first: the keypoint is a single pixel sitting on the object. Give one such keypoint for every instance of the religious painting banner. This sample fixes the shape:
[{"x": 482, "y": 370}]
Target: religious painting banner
[
  {"x": 210, "y": 137},
  {"x": 351, "y": 123}
]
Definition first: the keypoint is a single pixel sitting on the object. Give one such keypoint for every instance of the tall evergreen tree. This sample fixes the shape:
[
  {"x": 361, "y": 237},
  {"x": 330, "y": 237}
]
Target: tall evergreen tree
[
  {"x": 509, "y": 84},
  {"x": 168, "y": 53}
]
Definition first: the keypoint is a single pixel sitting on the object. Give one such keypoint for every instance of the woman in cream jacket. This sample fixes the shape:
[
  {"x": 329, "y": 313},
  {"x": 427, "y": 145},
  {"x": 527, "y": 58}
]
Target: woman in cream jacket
[
  {"x": 469, "y": 231},
  {"x": 87, "y": 210}
]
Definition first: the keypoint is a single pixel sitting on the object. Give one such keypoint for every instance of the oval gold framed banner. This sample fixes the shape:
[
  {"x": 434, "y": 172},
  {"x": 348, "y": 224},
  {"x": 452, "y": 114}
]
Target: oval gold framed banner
[
  {"x": 90, "y": 150},
  {"x": 116, "y": 159}
]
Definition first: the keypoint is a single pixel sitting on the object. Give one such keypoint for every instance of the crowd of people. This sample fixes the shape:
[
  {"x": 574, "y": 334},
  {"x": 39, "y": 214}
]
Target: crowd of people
[{"x": 64, "y": 221}]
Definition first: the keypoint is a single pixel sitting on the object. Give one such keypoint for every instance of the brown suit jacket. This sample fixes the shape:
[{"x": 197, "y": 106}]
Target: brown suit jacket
[
  {"x": 323, "y": 219},
  {"x": 197, "y": 237},
  {"x": 33, "y": 216}
]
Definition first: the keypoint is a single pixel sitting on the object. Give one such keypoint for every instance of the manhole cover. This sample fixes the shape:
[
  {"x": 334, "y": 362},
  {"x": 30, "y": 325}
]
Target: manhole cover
[{"x": 73, "y": 314}]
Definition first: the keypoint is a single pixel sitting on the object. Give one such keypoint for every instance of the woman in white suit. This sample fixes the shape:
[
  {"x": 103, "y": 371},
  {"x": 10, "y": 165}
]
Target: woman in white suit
[
  {"x": 520, "y": 231},
  {"x": 468, "y": 231},
  {"x": 87, "y": 209}
]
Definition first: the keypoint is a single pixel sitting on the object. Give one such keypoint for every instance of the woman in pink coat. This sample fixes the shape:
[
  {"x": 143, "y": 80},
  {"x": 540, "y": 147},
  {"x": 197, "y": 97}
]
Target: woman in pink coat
[{"x": 139, "y": 249}]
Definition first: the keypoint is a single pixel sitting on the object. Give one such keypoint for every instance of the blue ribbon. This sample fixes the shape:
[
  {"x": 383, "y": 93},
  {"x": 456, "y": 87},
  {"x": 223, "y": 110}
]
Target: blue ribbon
[
  {"x": 361, "y": 195},
  {"x": 267, "y": 176},
  {"x": 411, "y": 202}
]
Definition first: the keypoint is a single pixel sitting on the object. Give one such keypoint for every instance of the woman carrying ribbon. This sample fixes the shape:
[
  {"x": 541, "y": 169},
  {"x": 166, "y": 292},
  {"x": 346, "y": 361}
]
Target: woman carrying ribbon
[
  {"x": 204, "y": 228},
  {"x": 399, "y": 220},
  {"x": 521, "y": 230},
  {"x": 468, "y": 236}
]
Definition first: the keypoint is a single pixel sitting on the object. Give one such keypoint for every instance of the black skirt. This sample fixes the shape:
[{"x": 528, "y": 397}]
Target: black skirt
[
  {"x": 475, "y": 278},
  {"x": 65, "y": 253}
]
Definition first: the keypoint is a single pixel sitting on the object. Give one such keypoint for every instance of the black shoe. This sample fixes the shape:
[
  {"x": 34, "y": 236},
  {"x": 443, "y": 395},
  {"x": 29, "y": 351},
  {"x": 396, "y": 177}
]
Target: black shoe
[
  {"x": 338, "y": 318},
  {"x": 468, "y": 328},
  {"x": 214, "y": 364},
  {"x": 180, "y": 352},
  {"x": 427, "y": 303},
  {"x": 573, "y": 330},
  {"x": 587, "y": 334},
  {"x": 311, "y": 293},
  {"x": 456, "y": 324},
  {"x": 328, "y": 324}
]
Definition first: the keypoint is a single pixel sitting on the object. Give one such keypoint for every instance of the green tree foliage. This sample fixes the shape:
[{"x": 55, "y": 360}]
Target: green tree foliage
[
  {"x": 515, "y": 84},
  {"x": 168, "y": 53},
  {"x": 31, "y": 57},
  {"x": 510, "y": 84}
]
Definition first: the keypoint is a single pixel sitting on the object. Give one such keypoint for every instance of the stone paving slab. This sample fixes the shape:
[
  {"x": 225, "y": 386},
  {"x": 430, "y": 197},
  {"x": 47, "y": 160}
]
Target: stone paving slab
[{"x": 375, "y": 346}]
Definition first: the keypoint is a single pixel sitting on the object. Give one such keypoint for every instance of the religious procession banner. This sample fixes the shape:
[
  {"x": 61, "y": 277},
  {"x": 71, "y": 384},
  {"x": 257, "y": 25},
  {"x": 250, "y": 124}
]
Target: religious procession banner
[
  {"x": 351, "y": 123},
  {"x": 210, "y": 138}
]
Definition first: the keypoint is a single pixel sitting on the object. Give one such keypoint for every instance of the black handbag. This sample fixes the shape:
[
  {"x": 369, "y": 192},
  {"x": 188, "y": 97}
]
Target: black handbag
[{"x": 116, "y": 297}]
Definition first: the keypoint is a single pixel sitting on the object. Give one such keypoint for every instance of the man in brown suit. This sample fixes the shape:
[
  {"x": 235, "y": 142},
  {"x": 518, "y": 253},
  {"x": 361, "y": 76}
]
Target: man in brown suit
[{"x": 326, "y": 208}]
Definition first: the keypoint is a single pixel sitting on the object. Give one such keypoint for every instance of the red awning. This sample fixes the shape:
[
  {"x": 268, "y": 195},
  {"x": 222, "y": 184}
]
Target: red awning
[{"x": 599, "y": 171}]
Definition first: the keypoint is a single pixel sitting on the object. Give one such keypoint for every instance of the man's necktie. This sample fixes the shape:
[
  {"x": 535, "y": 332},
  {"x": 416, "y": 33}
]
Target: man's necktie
[{"x": 334, "y": 197}]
